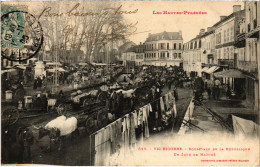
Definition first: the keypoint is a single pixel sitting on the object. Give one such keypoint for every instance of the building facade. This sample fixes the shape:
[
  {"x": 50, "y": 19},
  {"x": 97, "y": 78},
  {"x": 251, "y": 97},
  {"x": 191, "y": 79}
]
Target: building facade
[
  {"x": 208, "y": 48},
  {"x": 164, "y": 49},
  {"x": 192, "y": 55},
  {"x": 248, "y": 45},
  {"x": 134, "y": 56},
  {"x": 139, "y": 58}
]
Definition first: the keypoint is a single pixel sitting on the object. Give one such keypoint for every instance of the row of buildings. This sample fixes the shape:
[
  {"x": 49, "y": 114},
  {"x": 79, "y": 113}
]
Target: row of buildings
[
  {"x": 231, "y": 45},
  {"x": 161, "y": 49}
]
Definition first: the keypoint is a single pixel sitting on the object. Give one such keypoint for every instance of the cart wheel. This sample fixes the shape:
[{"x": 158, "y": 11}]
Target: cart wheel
[
  {"x": 11, "y": 115},
  {"x": 101, "y": 97},
  {"x": 102, "y": 119},
  {"x": 19, "y": 94},
  {"x": 61, "y": 109},
  {"x": 90, "y": 126}
]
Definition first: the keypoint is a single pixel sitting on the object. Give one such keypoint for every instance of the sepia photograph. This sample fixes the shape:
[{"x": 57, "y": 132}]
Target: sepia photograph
[{"x": 130, "y": 83}]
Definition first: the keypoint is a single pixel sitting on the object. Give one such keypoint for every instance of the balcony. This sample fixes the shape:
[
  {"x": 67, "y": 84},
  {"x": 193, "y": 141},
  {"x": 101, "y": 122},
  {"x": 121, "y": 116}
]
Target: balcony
[
  {"x": 249, "y": 66},
  {"x": 241, "y": 36},
  {"x": 164, "y": 58},
  {"x": 226, "y": 62}
]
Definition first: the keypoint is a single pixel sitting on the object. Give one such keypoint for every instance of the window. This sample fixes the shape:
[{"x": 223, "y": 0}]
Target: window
[
  {"x": 199, "y": 43},
  {"x": 174, "y": 46},
  {"x": 231, "y": 33},
  {"x": 167, "y": 45},
  {"x": 163, "y": 46},
  {"x": 179, "y": 55},
  {"x": 191, "y": 45},
  {"x": 168, "y": 54},
  {"x": 225, "y": 36},
  {"x": 198, "y": 57},
  {"x": 195, "y": 46},
  {"x": 231, "y": 53},
  {"x": 175, "y": 55},
  {"x": 227, "y": 53},
  {"x": 179, "y": 46},
  {"x": 218, "y": 38}
]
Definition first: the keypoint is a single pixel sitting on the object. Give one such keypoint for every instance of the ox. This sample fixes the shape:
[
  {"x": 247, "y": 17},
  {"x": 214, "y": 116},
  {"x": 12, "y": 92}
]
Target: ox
[{"x": 58, "y": 129}]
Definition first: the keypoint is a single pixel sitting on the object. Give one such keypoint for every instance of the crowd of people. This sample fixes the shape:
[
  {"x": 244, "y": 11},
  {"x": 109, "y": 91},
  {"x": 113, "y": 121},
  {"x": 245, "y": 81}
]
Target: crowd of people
[
  {"x": 148, "y": 82},
  {"x": 212, "y": 87}
]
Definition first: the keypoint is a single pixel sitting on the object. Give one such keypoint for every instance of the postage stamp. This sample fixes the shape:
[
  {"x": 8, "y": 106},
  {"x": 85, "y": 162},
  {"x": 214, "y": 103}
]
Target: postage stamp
[
  {"x": 21, "y": 35},
  {"x": 10, "y": 34}
]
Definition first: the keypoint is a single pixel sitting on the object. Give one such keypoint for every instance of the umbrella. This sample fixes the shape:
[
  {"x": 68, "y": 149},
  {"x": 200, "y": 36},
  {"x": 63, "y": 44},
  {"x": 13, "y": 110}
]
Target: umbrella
[{"x": 231, "y": 73}]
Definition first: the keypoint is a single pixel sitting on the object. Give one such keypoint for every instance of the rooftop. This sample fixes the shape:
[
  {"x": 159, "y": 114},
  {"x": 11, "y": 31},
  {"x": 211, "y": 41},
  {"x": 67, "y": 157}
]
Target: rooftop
[{"x": 164, "y": 36}]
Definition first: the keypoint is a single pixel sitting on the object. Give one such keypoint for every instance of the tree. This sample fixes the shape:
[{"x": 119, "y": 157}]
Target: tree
[{"x": 76, "y": 26}]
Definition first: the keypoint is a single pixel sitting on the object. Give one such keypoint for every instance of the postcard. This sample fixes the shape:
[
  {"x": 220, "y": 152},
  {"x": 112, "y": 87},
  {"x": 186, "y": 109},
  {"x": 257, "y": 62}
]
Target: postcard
[{"x": 130, "y": 83}]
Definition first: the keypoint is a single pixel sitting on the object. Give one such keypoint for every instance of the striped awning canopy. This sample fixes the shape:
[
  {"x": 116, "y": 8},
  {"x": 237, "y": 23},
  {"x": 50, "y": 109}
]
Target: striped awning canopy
[
  {"x": 204, "y": 69},
  {"x": 211, "y": 69}
]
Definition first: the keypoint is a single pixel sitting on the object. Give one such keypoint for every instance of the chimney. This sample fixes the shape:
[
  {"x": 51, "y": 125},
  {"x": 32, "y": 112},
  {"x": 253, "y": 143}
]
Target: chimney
[
  {"x": 222, "y": 17},
  {"x": 208, "y": 29},
  {"x": 202, "y": 31},
  {"x": 236, "y": 8}
]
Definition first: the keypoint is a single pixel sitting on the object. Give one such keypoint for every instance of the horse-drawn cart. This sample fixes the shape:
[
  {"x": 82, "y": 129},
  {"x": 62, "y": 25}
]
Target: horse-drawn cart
[{"x": 81, "y": 100}]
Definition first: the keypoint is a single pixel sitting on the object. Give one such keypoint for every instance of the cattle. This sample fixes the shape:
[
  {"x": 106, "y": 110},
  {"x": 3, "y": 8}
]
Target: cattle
[
  {"x": 126, "y": 93},
  {"x": 59, "y": 129}
]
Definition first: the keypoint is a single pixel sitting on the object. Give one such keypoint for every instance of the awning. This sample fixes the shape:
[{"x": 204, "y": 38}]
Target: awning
[
  {"x": 58, "y": 69},
  {"x": 204, "y": 69},
  {"x": 9, "y": 70},
  {"x": 212, "y": 69},
  {"x": 232, "y": 73},
  {"x": 20, "y": 67},
  {"x": 244, "y": 128}
]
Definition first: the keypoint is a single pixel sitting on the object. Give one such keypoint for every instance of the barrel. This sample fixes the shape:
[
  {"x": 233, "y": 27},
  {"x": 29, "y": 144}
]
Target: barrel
[
  {"x": 8, "y": 95},
  {"x": 28, "y": 100}
]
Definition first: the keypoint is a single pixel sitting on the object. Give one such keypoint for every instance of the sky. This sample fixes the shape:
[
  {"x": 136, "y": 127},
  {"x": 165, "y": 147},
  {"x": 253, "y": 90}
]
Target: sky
[
  {"x": 190, "y": 25},
  {"x": 148, "y": 22}
]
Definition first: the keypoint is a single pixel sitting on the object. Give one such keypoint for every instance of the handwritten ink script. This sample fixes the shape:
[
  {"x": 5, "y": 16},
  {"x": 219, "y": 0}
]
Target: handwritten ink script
[
  {"x": 48, "y": 12},
  {"x": 100, "y": 27}
]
